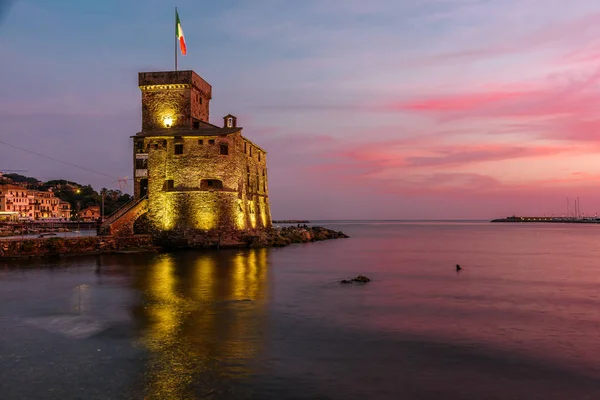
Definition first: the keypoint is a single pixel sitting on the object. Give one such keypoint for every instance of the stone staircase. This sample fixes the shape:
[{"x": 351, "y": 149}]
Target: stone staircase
[{"x": 120, "y": 223}]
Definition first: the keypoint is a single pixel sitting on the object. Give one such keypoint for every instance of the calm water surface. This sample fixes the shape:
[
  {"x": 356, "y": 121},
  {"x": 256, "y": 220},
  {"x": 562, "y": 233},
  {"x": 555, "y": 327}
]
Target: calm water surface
[{"x": 521, "y": 321}]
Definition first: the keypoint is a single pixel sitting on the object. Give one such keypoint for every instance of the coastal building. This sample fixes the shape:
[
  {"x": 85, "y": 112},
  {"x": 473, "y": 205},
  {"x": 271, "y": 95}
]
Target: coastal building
[
  {"x": 32, "y": 204},
  {"x": 14, "y": 199},
  {"x": 44, "y": 205},
  {"x": 64, "y": 209},
  {"x": 89, "y": 214},
  {"x": 191, "y": 175}
]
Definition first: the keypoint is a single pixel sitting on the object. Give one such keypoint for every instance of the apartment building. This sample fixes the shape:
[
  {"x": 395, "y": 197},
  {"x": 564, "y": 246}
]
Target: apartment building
[{"x": 32, "y": 204}]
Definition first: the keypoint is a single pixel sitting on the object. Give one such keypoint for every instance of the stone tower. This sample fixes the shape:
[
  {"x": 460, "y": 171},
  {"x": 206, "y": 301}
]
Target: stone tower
[
  {"x": 195, "y": 175},
  {"x": 190, "y": 175}
]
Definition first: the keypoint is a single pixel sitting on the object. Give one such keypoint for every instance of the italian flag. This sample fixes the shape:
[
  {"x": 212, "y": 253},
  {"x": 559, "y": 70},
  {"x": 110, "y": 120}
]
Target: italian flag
[{"x": 179, "y": 33}]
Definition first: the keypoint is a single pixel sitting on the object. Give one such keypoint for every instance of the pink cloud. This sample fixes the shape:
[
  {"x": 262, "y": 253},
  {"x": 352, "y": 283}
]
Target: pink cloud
[{"x": 457, "y": 102}]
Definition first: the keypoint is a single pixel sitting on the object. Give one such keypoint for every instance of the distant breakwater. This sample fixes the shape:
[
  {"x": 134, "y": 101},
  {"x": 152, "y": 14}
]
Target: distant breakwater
[
  {"x": 562, "y": 220},
  {"x": 56, "y": 246}
]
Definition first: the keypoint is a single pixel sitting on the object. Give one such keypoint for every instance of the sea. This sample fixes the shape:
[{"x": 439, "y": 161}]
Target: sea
[{"x": 520, "y": 320}]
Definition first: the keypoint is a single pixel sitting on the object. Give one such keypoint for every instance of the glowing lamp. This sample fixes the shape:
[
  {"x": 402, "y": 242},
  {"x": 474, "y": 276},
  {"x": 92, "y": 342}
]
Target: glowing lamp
[{"x": 168, "y": 121}]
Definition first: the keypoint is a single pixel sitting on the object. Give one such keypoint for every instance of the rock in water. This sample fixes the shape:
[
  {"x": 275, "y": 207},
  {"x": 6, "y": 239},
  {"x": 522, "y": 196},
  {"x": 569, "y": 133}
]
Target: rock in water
[
  {"x": 362, "y": 279},
  {"x": 359, "y": 279}
]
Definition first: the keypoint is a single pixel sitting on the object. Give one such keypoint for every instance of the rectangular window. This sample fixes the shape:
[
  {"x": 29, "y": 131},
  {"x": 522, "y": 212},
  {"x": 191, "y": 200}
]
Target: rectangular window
[
  {"x": 211, "y": 141},
  {"x": 169, "y": 184},
  {"x": 196, "y": 125},
  {"x": 209, "y": 182},
  {"x": 259, "y": 156},
  {"x": 250, "y": 151},
  {"x": 179, "y": 148},
  {"x": 224, "y": 149},
  {"x": 245, "y": 148},
  {"x": 141, "y": 163},
  {"x": 200, "y": 142},
  {"x": 155, "y": 146}
]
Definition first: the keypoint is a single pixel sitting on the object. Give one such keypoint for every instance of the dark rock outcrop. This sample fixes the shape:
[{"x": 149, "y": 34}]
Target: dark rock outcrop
[
  {"x": 358, "y": 279},
  {"x": 271, "y": 237}
]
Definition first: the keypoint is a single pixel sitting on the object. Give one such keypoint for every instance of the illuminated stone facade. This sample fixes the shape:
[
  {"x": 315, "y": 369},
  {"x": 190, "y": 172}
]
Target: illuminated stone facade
[{"x": 195, "y": 175}]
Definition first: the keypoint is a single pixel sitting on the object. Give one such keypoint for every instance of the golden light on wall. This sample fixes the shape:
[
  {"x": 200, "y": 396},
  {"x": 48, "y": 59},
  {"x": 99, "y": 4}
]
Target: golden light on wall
[
  {"x": 263, "y": 212},
  {"x": 168, "y": 121},
  {"x": 240, "y": 220},
  {"x": 168, "y": 211},
  {"x": 252, "y": 208},
  {"x": 206, "y": 218}
]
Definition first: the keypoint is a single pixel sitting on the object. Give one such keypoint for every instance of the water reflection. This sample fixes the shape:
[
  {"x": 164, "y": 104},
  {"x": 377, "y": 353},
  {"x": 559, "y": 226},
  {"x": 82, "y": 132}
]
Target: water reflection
[
  {"x": 81, "y": 299},
  {"x": 201, "y": 317}
]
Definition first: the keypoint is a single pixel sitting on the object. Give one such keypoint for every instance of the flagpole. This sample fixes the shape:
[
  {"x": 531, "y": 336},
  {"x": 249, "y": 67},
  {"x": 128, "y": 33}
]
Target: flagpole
[{"x": 175, "y": 38}]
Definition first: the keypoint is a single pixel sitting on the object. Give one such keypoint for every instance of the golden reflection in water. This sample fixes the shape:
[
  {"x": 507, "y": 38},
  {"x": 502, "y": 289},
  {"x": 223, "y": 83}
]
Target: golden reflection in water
[{"x": 203, "y": 314}]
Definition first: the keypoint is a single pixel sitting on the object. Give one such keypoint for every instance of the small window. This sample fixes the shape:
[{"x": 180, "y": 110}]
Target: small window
[
  {"x": 224, "y": 149},
  {"x": 196, "y": 124},
  {"x": 229, "y": 122},
  {"x": 211, "y": 184},
  {"x": 155, "y": 146},
  {"x": 200, "y": 99},
  {"x": 169, "y": 184},
  {"x": 259, "y": 156},
  {"x": 179, "y": 148},
  {"x": 141, "y": 163},
  {"x": 250, "y": 151},
  {"x": 245, "y": 148},
  {"x": 211, "y": 141},
  {"x": 200, "y": 142}
]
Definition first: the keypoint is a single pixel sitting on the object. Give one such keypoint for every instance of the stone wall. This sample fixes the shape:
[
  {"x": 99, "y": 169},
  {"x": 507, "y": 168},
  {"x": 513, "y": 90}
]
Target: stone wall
[
  {"x": 201, "y": 188},
  {"x": 241, "y": 204},
  {"x": 65, "y": 246},
  {"x": 123, "y": 225},
  {"x": 182, "y": 95}
]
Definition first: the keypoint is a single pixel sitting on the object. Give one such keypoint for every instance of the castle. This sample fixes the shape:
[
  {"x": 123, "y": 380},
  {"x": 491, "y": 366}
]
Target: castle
[{"x": 191, "y": 175}]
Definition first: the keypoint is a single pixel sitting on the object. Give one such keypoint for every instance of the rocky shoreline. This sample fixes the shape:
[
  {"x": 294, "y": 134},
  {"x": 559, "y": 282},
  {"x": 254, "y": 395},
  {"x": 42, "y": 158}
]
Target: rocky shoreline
[
  {"x": 280, "y": 237},
  {"x": 273, "y": 237}
]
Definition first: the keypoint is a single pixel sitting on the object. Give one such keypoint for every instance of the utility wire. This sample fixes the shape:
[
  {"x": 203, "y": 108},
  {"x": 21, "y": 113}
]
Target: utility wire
[{"x": 57, "y": 160}]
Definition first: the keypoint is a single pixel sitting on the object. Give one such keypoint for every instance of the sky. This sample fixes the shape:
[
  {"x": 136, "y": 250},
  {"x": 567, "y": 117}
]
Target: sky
[{"x": 380, "y": 109}]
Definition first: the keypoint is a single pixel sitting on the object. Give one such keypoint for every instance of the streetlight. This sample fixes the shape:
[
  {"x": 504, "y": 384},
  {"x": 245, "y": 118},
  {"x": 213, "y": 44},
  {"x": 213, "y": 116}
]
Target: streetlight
[{"x": 103, "y": 191}]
